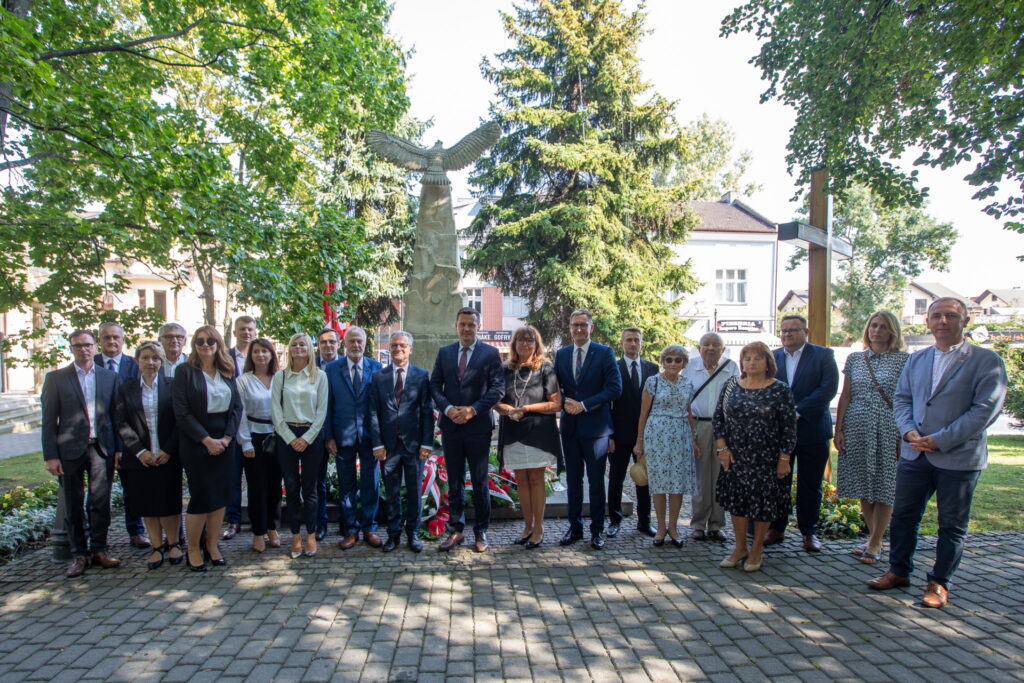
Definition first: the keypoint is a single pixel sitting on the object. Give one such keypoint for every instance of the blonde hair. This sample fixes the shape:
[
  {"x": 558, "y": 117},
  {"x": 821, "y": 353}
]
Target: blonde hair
[
  {"x": 155, "y": 347},
  {"x": 677, "y": 350},
  {"x": 310, "y": 363},
  {"x": 896, "y": 336},
  {"x": 515, "y": 362}
]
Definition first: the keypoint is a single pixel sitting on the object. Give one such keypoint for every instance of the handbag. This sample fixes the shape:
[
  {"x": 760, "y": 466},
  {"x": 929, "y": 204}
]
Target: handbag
[
  {"x": 638, "y": 470},
  {"x": 270, "y": 443}
]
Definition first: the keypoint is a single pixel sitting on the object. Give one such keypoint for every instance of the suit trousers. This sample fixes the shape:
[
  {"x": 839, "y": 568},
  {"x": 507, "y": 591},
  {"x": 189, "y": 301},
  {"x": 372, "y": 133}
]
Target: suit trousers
[
  {"x": 73, "y": 485},
  {"x": 398, "y": 466},
  {"x": 590, "y": 454},
  {"x": 461, "y": 450},
  {"x": 707, "y": 513},
  {"x": 619, "y": 461},
  {"x": 812, "y": 458},
  {"x": 916, "y": 482},
  {"x": 233, "y": 512},
  {"x": 263, "y": 481},
  {"x": 300, "y": 470},
  {"x": 321, "y": 495},
  {"x": 357, "y": 515},
  {"x": 132, "y": 523}
]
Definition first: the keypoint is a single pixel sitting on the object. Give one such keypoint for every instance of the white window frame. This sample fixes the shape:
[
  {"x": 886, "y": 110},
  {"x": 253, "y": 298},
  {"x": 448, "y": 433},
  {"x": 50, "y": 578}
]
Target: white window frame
[{"x": 731, "y": 286}]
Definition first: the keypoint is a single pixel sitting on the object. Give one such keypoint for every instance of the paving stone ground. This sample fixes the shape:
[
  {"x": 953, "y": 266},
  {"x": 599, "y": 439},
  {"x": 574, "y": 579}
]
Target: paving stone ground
[{"x": 631, "y": 612}]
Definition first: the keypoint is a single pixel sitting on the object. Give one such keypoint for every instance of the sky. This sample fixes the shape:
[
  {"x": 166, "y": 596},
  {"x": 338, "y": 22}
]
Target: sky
[{"x": 684, "y": 60}]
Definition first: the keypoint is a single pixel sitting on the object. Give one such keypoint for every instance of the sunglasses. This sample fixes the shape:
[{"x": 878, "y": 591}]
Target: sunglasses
[
  {"x": 674, "y": 359},
  {"x": 204, "y": 341}
]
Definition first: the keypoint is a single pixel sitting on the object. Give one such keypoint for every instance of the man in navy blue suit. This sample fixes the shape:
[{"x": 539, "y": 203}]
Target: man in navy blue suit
[
  {"x": 244, "y": 332},
  {"x": 114, "y": 359},
  {"x": 402, "y": 432},
  {"x": 590, "y": 381},
  {"x": 347, "y": 434},
  {"x": 812, "y": 375},
  {"x": 466, "y": 383}
]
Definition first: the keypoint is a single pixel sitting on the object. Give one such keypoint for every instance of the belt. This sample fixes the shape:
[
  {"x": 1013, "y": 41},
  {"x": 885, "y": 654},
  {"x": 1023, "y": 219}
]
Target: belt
[
  {"x": 261, "y": 421},
  {"x": 93, "y": 442},
  {"x": 299, "y": 424},
  {"x": 702, "y": 419}
]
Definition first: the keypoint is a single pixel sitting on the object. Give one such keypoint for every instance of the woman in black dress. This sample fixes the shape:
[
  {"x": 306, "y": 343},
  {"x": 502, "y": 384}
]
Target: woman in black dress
[
  {"x": 528, "y": 440},
  {"x": 150, "y": 466},
  {"x": 755, "y": 432},
  {"x": 208, "y": 407}
]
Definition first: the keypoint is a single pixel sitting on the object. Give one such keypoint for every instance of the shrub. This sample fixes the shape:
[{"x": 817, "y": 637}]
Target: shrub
[{"x": 23, "y": 526}]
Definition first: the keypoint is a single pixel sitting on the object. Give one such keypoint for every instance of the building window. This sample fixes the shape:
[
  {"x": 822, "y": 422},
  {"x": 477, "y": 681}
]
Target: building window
[
  {"x": 160, "y": 303},
  {"x": 513, "y": 307},
  {"x": 142, "y": 298},
  {"x": 920, "y": 306},
  {"x": 731, "y": 286},
  {"x": 475, "y": 299}
]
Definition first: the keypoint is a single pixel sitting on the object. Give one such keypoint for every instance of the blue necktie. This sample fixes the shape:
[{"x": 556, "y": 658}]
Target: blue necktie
[{"x": 110, "y": 365}]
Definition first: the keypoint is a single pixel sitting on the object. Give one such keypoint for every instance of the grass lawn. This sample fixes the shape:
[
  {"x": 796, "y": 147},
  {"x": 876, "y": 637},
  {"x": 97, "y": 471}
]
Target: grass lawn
[{"x": 23, "y": 470}]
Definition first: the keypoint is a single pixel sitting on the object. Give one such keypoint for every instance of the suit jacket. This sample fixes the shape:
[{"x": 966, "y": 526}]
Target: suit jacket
[
  {"x": 65, "y": 420},
  {"x": 814, "y": 386},
  {"x": 188, "y": 397},
  {"x": 481, "y": 387},
  {"x": 599, "y": 384},
  {"x": 128, "y": 368},
  {"x": 966, "y": 401},
  {"x": 131, "y": 421},
  {"x": 348, "y": 417},
  {"x": 626, "y": 408},
  {"x": 412, "y": 422}
]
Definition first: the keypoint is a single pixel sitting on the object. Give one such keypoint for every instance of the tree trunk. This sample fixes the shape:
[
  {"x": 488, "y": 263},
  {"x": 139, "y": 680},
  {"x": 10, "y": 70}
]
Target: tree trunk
[{"x": 204, "y": 273}]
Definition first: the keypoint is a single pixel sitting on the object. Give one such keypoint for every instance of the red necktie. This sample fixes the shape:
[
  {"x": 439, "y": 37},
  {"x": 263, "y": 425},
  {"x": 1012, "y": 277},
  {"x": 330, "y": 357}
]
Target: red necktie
[
  {"x": 399, "y": 387},
  {"x": 463, "y": 361}
]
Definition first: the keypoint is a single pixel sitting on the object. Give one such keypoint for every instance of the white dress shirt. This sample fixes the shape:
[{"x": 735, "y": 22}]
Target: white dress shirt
[
  {"x": 792, "y": 361},
  {"x": 586, "y": 350},
  {"x": 304, "y": 401},
  {"x": 704, "y": 405},
  {"x": 87, "y": 380},
  {"x": 218, "y": 393},
  {"x": 117, "y": 362},
  {"x": 630, "y": 364},
  {"x": 351, "y": 369},
  {"x": 405, "y": 375},
  {"x": 239, "y": 359},
  {"x": 941, "y": 362},
  {"x": 151, "y": 409},
  {"x": 255, "y": 404},
  {"x": 170, "y": 368}
]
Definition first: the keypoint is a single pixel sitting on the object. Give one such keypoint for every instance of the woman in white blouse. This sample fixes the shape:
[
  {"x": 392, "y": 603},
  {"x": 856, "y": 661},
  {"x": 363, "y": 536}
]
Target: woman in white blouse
[
  {"x": 262, "y": 471},
  {"x": 208, "y": 408},
  {"x": 298, "y": 404},
  {"x": 150, "y": 467}
]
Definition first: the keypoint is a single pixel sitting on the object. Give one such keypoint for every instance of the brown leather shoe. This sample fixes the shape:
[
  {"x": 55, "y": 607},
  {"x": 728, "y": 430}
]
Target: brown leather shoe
[
  {"x": 888, "y": 580},
  {"x": 140, "y": 541},
  {"x": 348, "y": 541},
  {"x": 230, "y": 532},
  {"x": 481, "y": 545},
  {"x": 105, "y": 561},
  {"x": 77, "y": 567},
  {"x": 454, "y": 539},
  {"x": 373, "y": 540},
  {"x": 812, "y": 544},
  {"x": 773, "y": 537},
  {"x": 698, "y": 535},
  {"x": 935, "y": 595}
]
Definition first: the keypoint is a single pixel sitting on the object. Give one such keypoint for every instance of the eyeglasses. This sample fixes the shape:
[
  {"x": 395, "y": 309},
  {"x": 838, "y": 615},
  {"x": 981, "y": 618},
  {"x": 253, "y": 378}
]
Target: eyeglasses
[
  {"x": 674, "y": 359},
  {"x": 84, "y": 345},
  {"x": 204, "y": 341},
  {"x": 526, "y": 340},
  {"x": 579, "y": 325},
  {"x": 792, "y": 331},
  {"x": 179, "y": 337}
]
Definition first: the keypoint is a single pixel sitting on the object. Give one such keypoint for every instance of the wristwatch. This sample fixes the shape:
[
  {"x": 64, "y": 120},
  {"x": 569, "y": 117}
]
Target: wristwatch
[{"x": 723, "y": 448}]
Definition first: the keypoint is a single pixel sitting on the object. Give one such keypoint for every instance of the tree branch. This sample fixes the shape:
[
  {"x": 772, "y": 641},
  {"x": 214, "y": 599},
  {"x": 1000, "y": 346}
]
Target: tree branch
[{"x": 28, "y": 161}]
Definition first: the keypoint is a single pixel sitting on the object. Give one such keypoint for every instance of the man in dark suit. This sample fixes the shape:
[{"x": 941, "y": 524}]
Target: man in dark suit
[
  {"x": 634, "y": 372},
  {"x": 590, "y": 381},
  {"x": 113, "y": 358},
  {"x": 347, "y": 433},
  {"x": 466, "y": 383},
  {"x": 402, "y": 432},
  {"x": 812, "y": 375},
  {"x": 244, "y": 332},
  {"x": 78, "y": 437},
  {"x": 327, "y": 343}
]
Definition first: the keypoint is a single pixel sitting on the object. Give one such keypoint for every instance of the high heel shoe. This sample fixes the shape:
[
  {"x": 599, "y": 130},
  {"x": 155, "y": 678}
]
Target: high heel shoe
[
  {"x": 310, "y": 553},
  {"x": 658, "y": 542},
  {"x": 530, "y": 545},
  {"x": 179, "y": 558},
  {"x": 163, "y": 552},
  {"x": 296, "y": 554},
  {"x": 273, "y": 539},
  {"x": 216, "y": 563},
  {"x": 752, "y": 567},
  {"x": 729, "y": 563},
  {"x": 677, "y": 542},
  {"x": 522, "y": 541},
  {"x": 257, "y": 548},
  {"x": 201, "y": 567}
]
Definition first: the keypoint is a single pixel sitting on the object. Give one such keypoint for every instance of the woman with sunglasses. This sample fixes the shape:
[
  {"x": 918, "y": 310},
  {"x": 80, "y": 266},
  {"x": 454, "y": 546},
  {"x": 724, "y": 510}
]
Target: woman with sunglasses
[
  {"x": 665, "y": 439},
  {"x": 208, "y": 408}
]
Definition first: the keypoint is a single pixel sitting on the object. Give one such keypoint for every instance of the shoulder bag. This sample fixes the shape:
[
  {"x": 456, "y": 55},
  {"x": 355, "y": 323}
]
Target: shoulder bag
[{"x": 638, "y": 470}]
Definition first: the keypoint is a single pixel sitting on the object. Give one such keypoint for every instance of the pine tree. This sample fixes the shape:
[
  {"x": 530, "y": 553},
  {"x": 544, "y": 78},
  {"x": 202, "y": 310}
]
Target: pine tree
[{"x": 576, "y": 220}]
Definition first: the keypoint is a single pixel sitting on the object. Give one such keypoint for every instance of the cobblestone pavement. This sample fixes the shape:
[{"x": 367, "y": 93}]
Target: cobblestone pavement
[{"x": 630, "y": 612}]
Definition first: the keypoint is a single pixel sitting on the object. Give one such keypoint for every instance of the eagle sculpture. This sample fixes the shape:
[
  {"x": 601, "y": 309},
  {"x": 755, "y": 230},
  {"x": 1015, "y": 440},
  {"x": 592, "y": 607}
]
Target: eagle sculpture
[{"x": 434, "y": 162}]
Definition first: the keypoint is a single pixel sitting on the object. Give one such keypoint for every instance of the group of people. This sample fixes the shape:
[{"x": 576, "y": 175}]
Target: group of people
[{"x": 728, "y": 434}]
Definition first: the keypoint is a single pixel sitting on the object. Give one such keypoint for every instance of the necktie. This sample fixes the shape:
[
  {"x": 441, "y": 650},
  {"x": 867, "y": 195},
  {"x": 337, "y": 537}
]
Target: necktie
[
  {"x": 110, "y": 365},
  {"x": 399, "y": 387},
  {"x": 463, "y": 361},
  {"x": 357, "y": 382},
  {"x": 579, "y": 361},
  {"x": 633, "y": 377}
]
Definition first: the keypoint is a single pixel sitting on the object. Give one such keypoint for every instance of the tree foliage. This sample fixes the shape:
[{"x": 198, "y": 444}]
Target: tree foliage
[
  {"x": 871, "y": 80},
  {"x": 193, "y": 136},
  {"x": 709, "y": 166},
  {"x": 576, "y": 219},
  {"x": 891, "y": 246}
]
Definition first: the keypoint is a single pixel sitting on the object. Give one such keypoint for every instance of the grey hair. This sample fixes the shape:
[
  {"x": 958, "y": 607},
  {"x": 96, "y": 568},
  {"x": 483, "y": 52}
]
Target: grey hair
[
  {"x": 957, "y": 300},
  {"x": 402, "y": 333},
  {"x": 674, "y": 349},
  {"x": 711, "y": 335},
  {"x": 355, "y": 328},
  {"x": 110, "y": 323},
  {"x": 167, "y": 327}
]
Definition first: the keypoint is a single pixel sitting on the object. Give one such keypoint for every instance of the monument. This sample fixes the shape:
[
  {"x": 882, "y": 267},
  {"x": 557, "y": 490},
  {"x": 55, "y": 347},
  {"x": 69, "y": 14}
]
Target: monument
[{"x": 435, "y": 286}]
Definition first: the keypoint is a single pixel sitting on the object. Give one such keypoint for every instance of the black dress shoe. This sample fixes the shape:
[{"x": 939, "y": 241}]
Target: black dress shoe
[
  {"x": 658, "y": 542},
  {"x": 677, "y": 542},
  {"x": 216, "y": 563},
  {"x": 533, "y": 544},
  {"x": 571, "y": 536},
  {"x": 597, "y": 541},
  {"x": 230, "y": 532},
  {"x": 522, "y": 541},
  {"x": 646, "y": 529},
  {"x": 716, "y": 535},
  {"x": 613, "y": 531},
  {"x": 391, "y": 543},
  {"x": 321, "y": 534},
  {"x": 201, "y": 567},
  {"x": 415, "y": 544}
]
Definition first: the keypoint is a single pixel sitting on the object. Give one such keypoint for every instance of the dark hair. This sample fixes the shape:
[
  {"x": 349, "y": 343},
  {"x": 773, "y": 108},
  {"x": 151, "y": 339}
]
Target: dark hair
[
  {"x": 245, "y": 319},
  {"x": 582, "y": 311},
  {"x": 221, "y": 362},
  {"x": 759, "y": 347},
  {"x": 637, "y": 330},
  {"x": 325, "y": 331},
  {"x": 79, "y": 333},
  {"x": 793, "y": 316},
  {"x": 468, "y": 310},
  {"x": 250, "y": 366},
  {"x": 515, "y": 361}
]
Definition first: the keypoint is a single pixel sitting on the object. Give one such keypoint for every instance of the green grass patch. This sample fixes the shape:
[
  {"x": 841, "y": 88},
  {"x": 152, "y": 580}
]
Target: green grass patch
[{"x": 23, "y": 470}]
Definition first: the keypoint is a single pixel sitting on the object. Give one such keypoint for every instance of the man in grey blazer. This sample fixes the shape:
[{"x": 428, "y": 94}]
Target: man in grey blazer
[
  {"x": 78, "y": 438},
  {"x": 946, "y": 398}
]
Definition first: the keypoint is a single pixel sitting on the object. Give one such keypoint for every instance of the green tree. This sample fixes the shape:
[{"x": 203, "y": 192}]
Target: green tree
[
  {"x": 709, "y": 167},
  {"x": 1014, "y": 360},
  {"x": 891, "y": 246},
  {"x": 872, "y": 80},
  {"x": 576, "y": 219}
]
